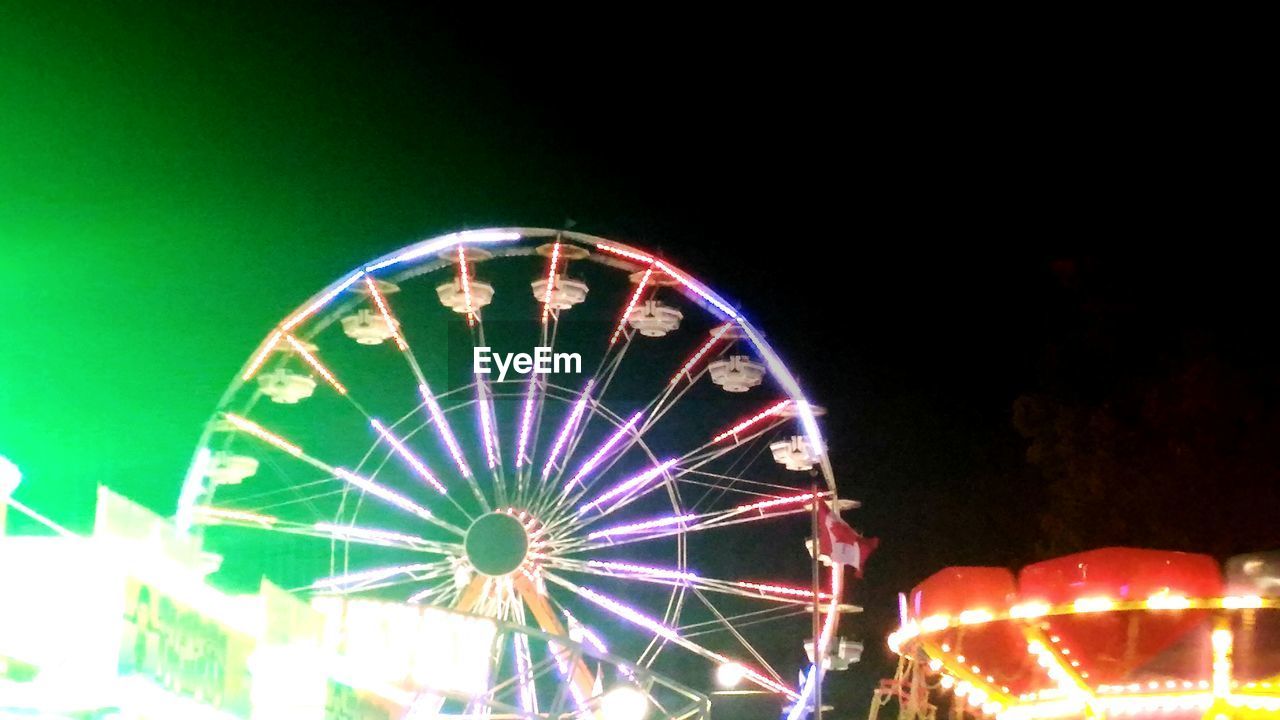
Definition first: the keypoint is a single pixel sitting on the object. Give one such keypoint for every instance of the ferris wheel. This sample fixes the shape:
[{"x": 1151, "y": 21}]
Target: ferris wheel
[{"x": 545, "y": 428}]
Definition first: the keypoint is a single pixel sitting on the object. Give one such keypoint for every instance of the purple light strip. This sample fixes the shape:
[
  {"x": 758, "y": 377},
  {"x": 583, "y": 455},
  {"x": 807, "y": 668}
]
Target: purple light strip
[
  {"x": 633, "y": 528},
  {"x": 599, "y": 454},
  {"x": 646, "y": 570},
  {"x": 569, "y": 424},
  {"x": 628, "y": 485},
  {"x": 442, "y": 427},
  {"x": 414, "y": 461},
  {"x": 526, "y": 421},
  {"x": 379, "y": 491},
  {"x": 486, "y": 426}
]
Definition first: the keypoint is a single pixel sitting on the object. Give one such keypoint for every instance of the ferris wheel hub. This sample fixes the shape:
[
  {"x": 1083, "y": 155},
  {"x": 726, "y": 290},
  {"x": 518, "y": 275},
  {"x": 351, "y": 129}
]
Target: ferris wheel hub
[{"x": 496, "y": 544}]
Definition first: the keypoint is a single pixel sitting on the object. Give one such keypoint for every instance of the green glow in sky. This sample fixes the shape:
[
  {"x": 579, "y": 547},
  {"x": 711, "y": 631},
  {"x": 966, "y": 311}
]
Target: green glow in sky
[{"x": 172, "y": 181}]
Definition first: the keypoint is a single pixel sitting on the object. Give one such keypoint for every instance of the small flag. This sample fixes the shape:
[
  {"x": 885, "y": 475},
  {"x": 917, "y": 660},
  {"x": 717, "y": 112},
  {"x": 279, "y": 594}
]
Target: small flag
[{"x": 840, "y": 544}]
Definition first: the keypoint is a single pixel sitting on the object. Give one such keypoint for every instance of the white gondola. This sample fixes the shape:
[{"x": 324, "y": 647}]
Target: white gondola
[
  {"x": 737, "y": 373},
  {"x": 452, "y": 296},
  {"x": 654, "y": 319},
  {"x": 286, "y": 387},
  {"x": 369, "y": 328},
  {"x": 565, "y": 292},
  {"x": 228, "y": 469},
  {"x": 794, "y": 453}
]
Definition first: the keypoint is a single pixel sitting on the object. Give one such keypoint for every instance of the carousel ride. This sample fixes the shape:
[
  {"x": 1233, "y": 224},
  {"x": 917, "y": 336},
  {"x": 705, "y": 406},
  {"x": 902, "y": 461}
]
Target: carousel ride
[
  {"x": 649, "y": 501},
  {"x": 1115, "y": 632}
]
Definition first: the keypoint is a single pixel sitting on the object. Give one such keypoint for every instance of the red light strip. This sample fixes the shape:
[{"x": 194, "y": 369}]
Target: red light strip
[
  {"x": 551, "y": 281},
  {"x": 408, "y": 456},
  {"x": 261, "y": 357},
  {"x": 386, "y": 312},
  {"x": 259, "y": 432},
  {"x": 781, "y": 590},
  {"x": 631, "y": 305},
  {"x": 464, "y": 279},
  {"x": 315, "y": 363},
  {"x": 767, "y": 412},
  {"x": 706, "y": 347}
]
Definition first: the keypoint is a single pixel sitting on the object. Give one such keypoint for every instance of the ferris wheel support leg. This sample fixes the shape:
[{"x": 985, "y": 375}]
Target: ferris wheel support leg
[
  {"x": 472, "y": 595},
  {"x": 579, "y": 674}
]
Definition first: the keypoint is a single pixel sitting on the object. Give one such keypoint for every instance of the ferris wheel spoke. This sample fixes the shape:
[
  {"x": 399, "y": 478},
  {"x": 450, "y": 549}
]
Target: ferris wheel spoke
[
  {"x": 683, "y": 524},
  {"x": 769, "y": 614},
  {"x": 626, "y": 492},
  {"x": 370, "y": 487},
  {"x": 437, "y": 418},
  {"x": 733, "y": 630},
  {"x": 665, "y": 632},
  {"x": 691, "y": 461},
  {"x": 361, "y": 580},
  {"x": 207, "y": 515},
  {"x": 556, "y": 501},
  {"x": 764, "y": 592},
  {"x": 562, "y": 437},
  {"x": 441, "y": 423}
]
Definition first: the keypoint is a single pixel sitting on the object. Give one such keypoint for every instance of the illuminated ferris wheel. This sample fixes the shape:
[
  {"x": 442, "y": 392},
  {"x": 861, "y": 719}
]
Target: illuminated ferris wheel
[{"x": 544, "y": 428}]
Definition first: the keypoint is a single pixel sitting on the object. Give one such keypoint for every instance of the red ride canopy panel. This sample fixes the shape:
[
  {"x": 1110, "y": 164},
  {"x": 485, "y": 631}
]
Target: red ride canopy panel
[
  {"x": 1120, "y": 574},
  {"x": 953, "y": 590}
]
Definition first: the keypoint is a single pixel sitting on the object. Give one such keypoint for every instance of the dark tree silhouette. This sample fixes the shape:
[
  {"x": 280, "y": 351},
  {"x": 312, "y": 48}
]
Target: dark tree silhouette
[{"x": 1162, "y": 433}]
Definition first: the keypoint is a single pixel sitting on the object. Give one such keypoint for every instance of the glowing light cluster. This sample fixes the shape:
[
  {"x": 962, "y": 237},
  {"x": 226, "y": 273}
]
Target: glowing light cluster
[
  {"x": 1222, "y": 641},
  {"x": 1093, "y": 604},
  {"x": 770, "y": 411},
  {"x": 687, "y": 368},
  {"x": 413, "y": 460},
  {"x": 626, "y": 486},
  {"x": 1167, "y": 601},
  {"x": 569, "y": 424},
  {"x": 262, "y": 434},
  {"x": 603, "y": 450},
  {"x": 1031, "y": 609},
  {"x": 442, "y": 427},
  {"x": 315, "y": 364},
  {"x": 386, "y": 494}
]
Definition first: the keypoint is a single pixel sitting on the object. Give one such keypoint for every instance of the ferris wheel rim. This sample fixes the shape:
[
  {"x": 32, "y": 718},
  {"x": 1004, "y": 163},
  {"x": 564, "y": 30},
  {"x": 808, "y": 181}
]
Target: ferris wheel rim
[{"x": 690, "y": 287}]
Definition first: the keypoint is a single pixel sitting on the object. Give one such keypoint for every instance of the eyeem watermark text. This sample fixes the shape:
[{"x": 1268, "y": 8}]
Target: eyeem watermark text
[{"x": 541, "y": 362}]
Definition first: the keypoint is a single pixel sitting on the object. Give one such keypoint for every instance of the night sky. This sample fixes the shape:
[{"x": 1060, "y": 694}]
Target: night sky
[{"x": 925, "y": 243}]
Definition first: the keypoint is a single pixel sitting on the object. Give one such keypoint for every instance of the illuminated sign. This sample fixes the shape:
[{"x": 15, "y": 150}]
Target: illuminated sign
[
  {"x": 185, "y": 652},
  {"x": 409, "y": 647}
]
